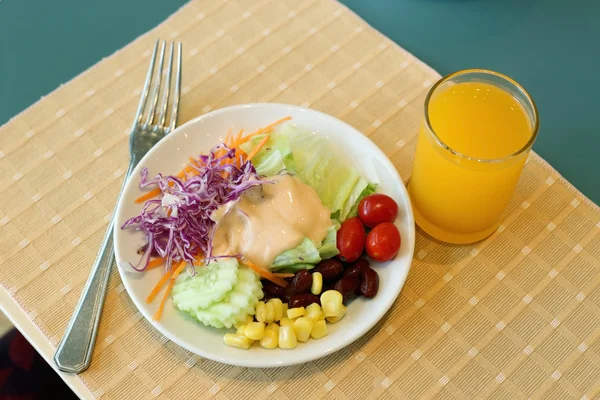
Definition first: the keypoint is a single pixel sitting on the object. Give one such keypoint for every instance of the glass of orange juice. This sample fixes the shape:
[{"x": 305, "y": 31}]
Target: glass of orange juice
[{"x": 478, "y": 129}]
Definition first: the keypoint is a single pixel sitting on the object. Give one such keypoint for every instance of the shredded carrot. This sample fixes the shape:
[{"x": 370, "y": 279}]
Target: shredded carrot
[
  {"x": 178, "y": 270},
  {"x": 283, "y": 275},
  {"x": 279, "y": 121},
  {"x": 265, "y": 129},
  {"x": 247, "y": 137},
  {"x": 155, "y": 263},
  {"x": 240, "y": 157},
  {"x": 161, "y": 307},
  {"x": 250, "y": 136},
  {"x": 194, "y": 162},
  {"x": 158, "y": 286},
  {"x": 257, "y": 148},
  {"x": 189, "y": 171},
  {"x": 148, "y": 195},
  {"x": 183, "y": 172},
  {"x": 176, "y": 273},
  {"x": 265, "y": 274},
  {"x": 238, "y": 137}
]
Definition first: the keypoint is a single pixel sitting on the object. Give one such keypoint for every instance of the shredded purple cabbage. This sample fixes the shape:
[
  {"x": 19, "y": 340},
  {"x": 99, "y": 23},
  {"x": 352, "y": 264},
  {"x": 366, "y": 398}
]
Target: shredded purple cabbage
[{"x": 183, "y": 229}]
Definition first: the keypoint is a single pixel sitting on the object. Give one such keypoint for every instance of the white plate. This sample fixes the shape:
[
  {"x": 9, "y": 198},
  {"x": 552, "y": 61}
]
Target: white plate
[{"x": 198, "y": 136}]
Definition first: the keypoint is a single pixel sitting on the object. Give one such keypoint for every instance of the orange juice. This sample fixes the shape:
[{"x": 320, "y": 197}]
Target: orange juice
[{"x": 470, "y": 153}]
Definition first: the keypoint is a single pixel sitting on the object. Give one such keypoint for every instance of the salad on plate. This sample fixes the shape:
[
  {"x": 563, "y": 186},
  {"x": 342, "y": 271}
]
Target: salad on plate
[{"x": 266, "y": 234}]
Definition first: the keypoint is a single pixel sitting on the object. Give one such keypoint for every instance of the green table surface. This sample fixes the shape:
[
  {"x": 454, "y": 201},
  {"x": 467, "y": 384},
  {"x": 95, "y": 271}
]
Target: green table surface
[{"x": 552, "y": 47}]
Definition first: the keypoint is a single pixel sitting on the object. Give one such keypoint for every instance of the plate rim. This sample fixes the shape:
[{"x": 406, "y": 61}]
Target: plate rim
[{"x": 345, "y": 340}]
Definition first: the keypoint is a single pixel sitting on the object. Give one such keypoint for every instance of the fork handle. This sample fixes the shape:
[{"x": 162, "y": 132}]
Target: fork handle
[{"x": 74, "y": 353}]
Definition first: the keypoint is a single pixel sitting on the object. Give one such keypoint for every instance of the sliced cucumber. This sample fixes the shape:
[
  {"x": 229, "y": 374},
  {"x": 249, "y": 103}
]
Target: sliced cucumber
[
  {"x": 210, "y": 285},
  {"x": 238, "y": 303},
  {"x": 220, "y": 294}
]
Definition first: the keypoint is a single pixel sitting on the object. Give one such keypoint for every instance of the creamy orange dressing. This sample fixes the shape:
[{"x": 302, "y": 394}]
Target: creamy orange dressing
[{"x": 268, "y": 220}]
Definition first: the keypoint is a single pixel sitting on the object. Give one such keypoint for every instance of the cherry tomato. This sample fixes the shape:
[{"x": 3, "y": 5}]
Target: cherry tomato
[
  {"x": 376, "y": 209},
  {"x": 351, "y": 239},
  {"x": 383, "y": 242}
]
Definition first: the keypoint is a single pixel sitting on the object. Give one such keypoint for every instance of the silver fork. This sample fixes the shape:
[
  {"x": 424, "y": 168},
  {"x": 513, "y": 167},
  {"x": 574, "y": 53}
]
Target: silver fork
[{"x": 74, "y": 352}]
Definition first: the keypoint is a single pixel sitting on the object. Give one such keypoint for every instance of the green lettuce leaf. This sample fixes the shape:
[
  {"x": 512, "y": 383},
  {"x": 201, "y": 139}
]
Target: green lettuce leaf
[
  {"x": 328, "y": 248},
  {"x": 318, "y": 166},
  {"x": 307, "y": 254},
  {"x": 275, "y": 156},
  {"x": 338, "y": 185}
]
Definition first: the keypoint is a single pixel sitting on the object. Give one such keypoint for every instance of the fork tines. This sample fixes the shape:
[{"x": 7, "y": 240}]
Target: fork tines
[{"x": 156, "y": 116}]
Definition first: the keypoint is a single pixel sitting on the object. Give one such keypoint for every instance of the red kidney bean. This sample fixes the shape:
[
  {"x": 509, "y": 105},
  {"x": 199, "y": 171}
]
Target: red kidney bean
[
  {"x": 330, "y": 269},
  {"x": 303, "y": 300},
  {"x": 347, "y": 287},
  {"x": 355, "y": 269},
  {"x": 272, "y": 290},
  {"x": 289, "y": 291},
  {"x": 369, "y": 282},
  {"x": 302, "y": 281}
]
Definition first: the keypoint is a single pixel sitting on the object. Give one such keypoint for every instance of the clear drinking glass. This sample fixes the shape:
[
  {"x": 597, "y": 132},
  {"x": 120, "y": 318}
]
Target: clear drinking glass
[{"x": 478, "y": 129}]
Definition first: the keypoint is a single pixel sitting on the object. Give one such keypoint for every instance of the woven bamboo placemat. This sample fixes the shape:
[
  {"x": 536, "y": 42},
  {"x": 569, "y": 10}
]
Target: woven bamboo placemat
[{"x": 515, "y": 316}]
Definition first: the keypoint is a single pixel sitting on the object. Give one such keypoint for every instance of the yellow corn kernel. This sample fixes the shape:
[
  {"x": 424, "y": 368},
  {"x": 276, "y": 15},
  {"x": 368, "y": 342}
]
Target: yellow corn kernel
[
  {"x": 295, "y": 312},
  {"x": 247, "y": 320},
  {"x": 319, "y": 329},
  {"x": 240, "y": 329},
  {"x": 284, "y": 308},
  {"x": 238, "y": 341},
  {"x": 287, "y": 337},
  {"x": 331, "y": 302},
  {"x": 277, "y": 309},
  {"x": 261, "y": 312},
  {"x": 302, "y": 327},
  {"x": 313, "y": 312},
  {"x": 317, "y": 283},
  {"x": 336, "y": 319},
  {"x": 271, "y": 338},
  {"x": 254, "y": 330},
  {"x": 270, "y": 312},
  {"x": 285, "y": 321}
]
